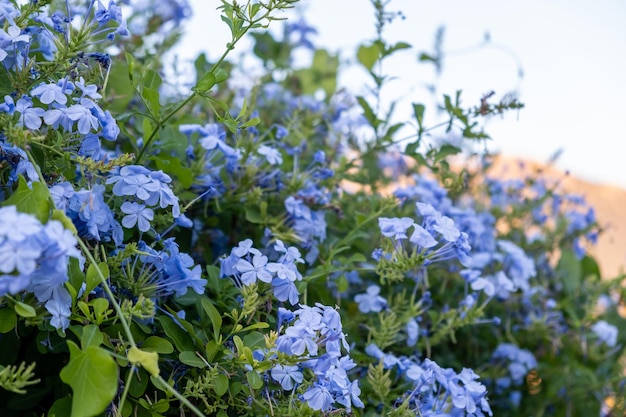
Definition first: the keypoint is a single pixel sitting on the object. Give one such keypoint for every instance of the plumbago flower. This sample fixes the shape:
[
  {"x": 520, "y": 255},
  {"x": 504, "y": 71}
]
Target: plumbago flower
[
  {"x": 34, "y": 258},
  {"x": 205, "y": 243},
  {"x": 247, "y": 265},
  {"x": 316, "y": 338}
]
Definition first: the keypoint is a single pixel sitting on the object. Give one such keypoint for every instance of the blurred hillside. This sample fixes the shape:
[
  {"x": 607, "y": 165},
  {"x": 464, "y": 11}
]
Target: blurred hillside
[{"x": 608, "y": 201}]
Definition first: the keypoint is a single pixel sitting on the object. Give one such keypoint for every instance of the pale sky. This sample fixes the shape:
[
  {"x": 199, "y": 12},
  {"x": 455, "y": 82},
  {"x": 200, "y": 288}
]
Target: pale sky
[{"x": 572, "y": 52}]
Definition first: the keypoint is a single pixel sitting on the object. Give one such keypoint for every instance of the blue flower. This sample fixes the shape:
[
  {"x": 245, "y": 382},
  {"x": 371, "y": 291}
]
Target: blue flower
[
  {"x": 30, "y": 116},
  {"x": 318, "y": 397},
  {"x": 412, "y": 332},
  {"x": 605, "y": 332},
  {"x": 250, "y": 272},
  {"x": 395, "y": 227},
  {"x": 81, "y": 114},
  {"x": 14, "y": 35},
  {"x": 285, "y": 290},
  {"x": 287, "y": 376},
  {"x": 60, "y": 314},
  {"x": 445, "y": 226},
  {"x": 272, "y": 155},
  {"x": 49, "y": 93},
  {"x": 136, "y": 214},
  {"x": 371, "y": 301},
  {"x": 422, "y": 238}
]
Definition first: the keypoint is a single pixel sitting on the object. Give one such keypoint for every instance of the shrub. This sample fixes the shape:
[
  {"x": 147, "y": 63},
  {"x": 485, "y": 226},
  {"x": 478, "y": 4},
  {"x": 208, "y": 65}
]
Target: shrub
[{"x": 236, "y": 251}]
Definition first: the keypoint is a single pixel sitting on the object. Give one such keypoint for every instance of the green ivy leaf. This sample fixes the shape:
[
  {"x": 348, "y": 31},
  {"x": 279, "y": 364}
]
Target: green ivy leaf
[
  {"x": 92, "y": 374},
  {"x": 148, "y": 360},
  {"x": 91, "y": 336},
  {"x": 368, "y": 55},
  {"x": 35, "y": 201}
]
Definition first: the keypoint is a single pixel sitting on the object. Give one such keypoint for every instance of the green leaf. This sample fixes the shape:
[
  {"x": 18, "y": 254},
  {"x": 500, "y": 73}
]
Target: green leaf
[
  {"x": 92, "y": 374},
  {"x": 75, "y": 274},
  {"x": 418, "y": 112},
  {"x": 152, "y": 101},
  {"x": 148, "y": 360},
  {"x": 445, "y": 151},
  {"x": 138, "y": 383},
  {"x": 590, "y": 267},
  {"x": 252, "y": 122},
  {"x": 368, "y": 112},
  {"x": 61, "y": 407},
  {"x": 253, "y": 214},
  {"x": 254, "y": 340},
  {"x": 238, "y": 344},
  {"x": 157, "y": 344},
  {"x": 423, "y": 57},
  {"x": 152, "y": 79},
  {"x": 93, "y": 277},
  {"x": 220, "y": 384},
  {"x": 259, "y": 325},
  {"x": 211, "y": 350},
  {"x": 180, "y": 337},
  {"x": 254, "y": 380},
  {"x": 214, "y": 316},
  {"x": 24, "y": 310},
  {"x": 190, "y": 358},
  {"x": 342, "y": 283},
  {"x": 397, "y": 47},
  {"x": 8, "y": 320},
  {"x": 91, "y": 336},
  {"x": 570, "y": 271},
  {"x": 35, "y": 201},
  {"x": 220, "y": 75},
  {"x": 5, "y": 84},
  {"x": 174, "y": 166},
  {"x": 206, "y": 83},
  {"x": 368, "y": 55}
]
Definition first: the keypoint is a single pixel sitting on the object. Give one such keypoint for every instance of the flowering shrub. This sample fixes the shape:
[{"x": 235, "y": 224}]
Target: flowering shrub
[{"x": 230, "y": 251}]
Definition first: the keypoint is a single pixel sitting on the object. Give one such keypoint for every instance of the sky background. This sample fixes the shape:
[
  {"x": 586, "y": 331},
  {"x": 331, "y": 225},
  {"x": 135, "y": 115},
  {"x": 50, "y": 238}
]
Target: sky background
[{"x": 572, "y": 53}]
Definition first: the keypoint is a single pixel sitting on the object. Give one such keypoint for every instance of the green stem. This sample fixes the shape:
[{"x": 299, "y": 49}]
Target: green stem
[
  {"x": 160, "y": 125},
  {"x": 107, "y": 289},
  {"x": 178, "y": 395},
  {"x": 230, "y": 47},
  {"x": 129, "y": 377}
]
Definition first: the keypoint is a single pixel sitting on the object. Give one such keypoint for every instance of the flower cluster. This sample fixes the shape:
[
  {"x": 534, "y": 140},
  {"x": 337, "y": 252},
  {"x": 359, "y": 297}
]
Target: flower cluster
[
  {"x": 34, "y": 258},
  {"x": 205, "y": 244},
  {"x": 247, "y": 265},
  {"x": 437, "y": 391},
  {"x": 316, "y": 338}
]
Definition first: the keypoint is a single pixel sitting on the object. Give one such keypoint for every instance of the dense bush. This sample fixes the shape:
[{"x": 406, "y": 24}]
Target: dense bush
[{"x": 236, "y": 251}]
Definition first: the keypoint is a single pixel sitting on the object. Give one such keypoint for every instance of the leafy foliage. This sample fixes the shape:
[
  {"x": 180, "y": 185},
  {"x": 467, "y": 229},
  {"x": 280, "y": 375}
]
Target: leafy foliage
[{"x": 249, "y": 251}]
